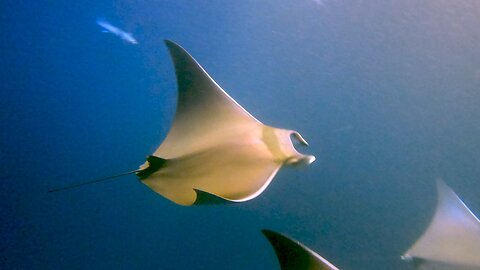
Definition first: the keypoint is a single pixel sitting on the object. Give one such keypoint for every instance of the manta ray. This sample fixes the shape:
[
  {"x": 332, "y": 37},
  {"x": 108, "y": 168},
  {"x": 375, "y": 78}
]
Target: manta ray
[
  {"x": 293, "y": 255},
  {"x": 215, "y": 151},
  {"x": 215, "y": 147},
  {"x": 452, "y": 240}
]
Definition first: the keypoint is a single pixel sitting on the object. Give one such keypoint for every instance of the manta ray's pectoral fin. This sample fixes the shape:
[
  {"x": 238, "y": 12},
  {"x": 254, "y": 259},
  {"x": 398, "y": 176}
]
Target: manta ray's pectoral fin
[
  {"x": 205, "y": 112},
  {"x": 293, "y": 255}
]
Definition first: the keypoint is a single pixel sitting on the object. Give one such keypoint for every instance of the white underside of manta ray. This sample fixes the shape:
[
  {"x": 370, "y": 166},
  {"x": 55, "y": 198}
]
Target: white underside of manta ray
[
  {"x": 293, "y": 255},
  {"x": 215, "y": 150},
  {"x": 452, "y": 240}
]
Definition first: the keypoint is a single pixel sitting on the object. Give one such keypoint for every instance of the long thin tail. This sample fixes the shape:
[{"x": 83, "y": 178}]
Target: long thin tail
[{"x": 92, "y": 181}]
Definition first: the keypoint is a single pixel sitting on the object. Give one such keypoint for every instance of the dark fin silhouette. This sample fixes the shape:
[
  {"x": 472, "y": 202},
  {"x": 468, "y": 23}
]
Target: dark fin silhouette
[
  {"x": 154, "y": 164},
  {"x": 293, "y": 255},
  {"x": 206, "y": 198}
]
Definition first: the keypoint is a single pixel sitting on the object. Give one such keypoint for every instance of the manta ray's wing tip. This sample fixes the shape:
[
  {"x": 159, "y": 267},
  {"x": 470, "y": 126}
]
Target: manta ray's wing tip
[
  {"x": 406, "y": 257},
  {"x": 275, "y": 237},
  {"x": 268, "y": 233},
  {"x": 441, "y": 185},
  {"x": 294, "y": 255},
  {"x": 169, "y": 42},
  {"x": 445, "y": 192},
  {"x": 173, "y": 46}
]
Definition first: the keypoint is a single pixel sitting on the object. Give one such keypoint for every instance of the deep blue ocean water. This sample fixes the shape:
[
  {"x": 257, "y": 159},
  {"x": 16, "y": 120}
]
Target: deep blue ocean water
[{"x": 387, "y": 93}]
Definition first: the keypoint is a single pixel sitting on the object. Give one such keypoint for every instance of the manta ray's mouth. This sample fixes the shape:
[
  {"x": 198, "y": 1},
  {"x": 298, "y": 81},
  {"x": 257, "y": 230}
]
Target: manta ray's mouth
[{"x": 299, "y": 158}]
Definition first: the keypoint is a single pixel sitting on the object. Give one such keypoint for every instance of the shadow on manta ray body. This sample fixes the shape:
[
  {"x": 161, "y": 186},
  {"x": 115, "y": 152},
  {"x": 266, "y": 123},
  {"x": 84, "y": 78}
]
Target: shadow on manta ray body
[{"x": 215, "y": 150}]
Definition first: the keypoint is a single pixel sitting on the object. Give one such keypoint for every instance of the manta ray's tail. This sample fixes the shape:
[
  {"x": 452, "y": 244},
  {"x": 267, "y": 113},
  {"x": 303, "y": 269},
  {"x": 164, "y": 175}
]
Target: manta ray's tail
[
  {"x": 92, "y": 181},
  {"x": 154, "y": 164}
]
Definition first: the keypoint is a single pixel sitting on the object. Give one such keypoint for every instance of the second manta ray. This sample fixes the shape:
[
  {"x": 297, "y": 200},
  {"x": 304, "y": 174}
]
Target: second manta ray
[
  {"x": 215, "y": 150},
  {"x": 452, "y": 240}
]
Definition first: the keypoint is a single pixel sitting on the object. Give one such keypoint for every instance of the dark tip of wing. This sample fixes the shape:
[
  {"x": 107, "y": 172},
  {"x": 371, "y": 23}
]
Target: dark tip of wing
[
  {"x": 290, "y": 253},
  {"x": 293, "y": 255},
  {"x": 206, "y": 198},
  {"x": 170, "y": 43},
  {"x": 177, "y": 51}
]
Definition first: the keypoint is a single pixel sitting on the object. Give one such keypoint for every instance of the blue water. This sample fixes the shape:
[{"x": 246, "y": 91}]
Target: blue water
[{"x": 386, "y": 93}]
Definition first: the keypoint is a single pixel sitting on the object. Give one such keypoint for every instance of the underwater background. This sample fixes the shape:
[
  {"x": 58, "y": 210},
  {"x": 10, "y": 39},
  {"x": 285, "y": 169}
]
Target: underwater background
[{"x": 387, "y": 93}]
